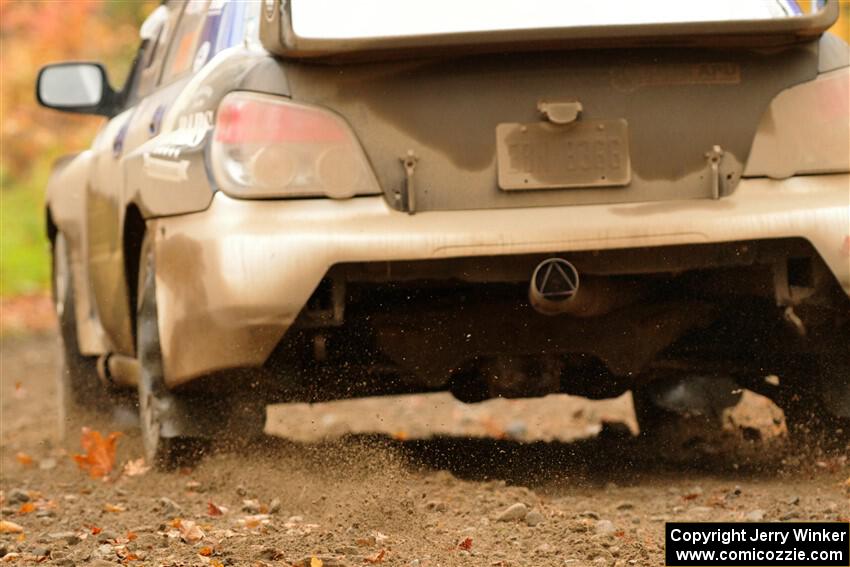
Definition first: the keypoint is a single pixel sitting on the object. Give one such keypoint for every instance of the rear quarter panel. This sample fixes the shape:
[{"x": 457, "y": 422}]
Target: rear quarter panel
[{"x": 167, "y": 175}]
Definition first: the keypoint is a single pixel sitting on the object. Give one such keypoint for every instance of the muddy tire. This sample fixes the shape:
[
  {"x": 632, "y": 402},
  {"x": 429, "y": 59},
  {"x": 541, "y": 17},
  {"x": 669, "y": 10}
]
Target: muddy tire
[
  {"x": 178, "y": 428},
  {"x": 161, "y": 414},
  {"x": 83, "y": 400}
]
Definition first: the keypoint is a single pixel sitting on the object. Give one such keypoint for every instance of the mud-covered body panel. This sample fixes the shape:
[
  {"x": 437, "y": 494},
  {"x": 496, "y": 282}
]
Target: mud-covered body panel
[
  {"x": 152, "y": 158},
  {"x": 678, "y": 107},
  {"x": 800, "y": 133},
  {"x": 168, "y": 174},
  {"x": 250, "y": 278}
]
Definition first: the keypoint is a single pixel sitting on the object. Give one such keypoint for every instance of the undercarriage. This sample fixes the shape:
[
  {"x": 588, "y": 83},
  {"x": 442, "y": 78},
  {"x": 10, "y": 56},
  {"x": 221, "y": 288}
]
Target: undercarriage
[{"x": 742, "y": 310}]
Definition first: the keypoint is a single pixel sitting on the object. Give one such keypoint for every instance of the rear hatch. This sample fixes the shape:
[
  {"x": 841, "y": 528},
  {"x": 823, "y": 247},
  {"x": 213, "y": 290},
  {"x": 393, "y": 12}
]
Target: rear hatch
[{"x": 460, "y": 121}]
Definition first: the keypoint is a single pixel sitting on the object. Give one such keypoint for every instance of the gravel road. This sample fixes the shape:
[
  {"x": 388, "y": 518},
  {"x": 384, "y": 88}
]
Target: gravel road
[{"x": 415, "y": 481}]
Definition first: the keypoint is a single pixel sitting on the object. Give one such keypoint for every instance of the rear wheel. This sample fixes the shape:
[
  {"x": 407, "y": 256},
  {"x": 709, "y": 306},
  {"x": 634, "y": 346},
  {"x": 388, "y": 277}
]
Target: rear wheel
[
  {"x": 161, "y": 414},
  {"x": 178, "y": 428}
]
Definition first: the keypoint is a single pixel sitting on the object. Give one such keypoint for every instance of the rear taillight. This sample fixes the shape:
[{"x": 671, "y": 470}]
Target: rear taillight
[{"x": 265, "y": 146}]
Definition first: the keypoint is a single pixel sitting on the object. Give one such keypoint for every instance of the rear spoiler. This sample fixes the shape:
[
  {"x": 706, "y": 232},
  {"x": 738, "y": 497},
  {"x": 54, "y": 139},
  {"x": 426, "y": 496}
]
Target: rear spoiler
[{"x": 278, "y": 37}]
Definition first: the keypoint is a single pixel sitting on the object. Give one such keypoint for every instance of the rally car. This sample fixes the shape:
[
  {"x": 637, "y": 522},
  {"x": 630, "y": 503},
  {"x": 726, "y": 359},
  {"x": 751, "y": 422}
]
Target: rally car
[{"x": 305, "y": 200}]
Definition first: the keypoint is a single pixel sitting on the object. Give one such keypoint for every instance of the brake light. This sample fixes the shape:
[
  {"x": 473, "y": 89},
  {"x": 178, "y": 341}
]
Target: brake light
[{"x": 265, "y": 146}]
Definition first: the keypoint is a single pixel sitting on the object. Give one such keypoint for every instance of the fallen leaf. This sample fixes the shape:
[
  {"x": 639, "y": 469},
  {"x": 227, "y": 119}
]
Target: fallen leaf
[
  {"x": 466, "y": 544},
  {"x": 254, "y": 521},
  {"x": 96, "y": 530},
  {"x": 26, "y": 508},
  {"x": 125, "y": 554},
  {"x": 213, "y": 510},
  {"x": 717, "y": 502},
  {"x": 7, "y": 527},
  {"x": 135, "y": 468},
  {"x": 99, "y": 456},
  {"x": 374, "y": 539},
  {"x": 216, "y": 563},
  {"x": 206, "y": 551},
  {"x": 24, "y": 459},
  {"x": 190, "y": 531},
  {"x": 316, "y": 562},
  {"x": 377, "y": 558},
  {"x": 115, "y": 508}
]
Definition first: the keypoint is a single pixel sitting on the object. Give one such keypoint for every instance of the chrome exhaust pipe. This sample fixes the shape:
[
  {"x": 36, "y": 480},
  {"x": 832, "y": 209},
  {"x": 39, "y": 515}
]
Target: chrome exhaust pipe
[
  {"x": 118, "y": 371},
  {"x": 553, "y": 287},
  {"x": 554, "y": 290}
]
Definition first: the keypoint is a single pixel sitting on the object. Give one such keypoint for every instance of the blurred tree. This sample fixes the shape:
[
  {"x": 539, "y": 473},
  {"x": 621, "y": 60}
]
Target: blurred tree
[
  {"x": 33, "y": 33},
  {"x": 842, "y": 26}
]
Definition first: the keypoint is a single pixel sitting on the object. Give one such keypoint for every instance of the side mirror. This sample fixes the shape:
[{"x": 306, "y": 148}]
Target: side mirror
[{"x": 76, "y": 87}]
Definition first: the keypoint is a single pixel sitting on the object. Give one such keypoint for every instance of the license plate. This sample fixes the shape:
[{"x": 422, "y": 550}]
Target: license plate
[{"x": 541, "y": 155}]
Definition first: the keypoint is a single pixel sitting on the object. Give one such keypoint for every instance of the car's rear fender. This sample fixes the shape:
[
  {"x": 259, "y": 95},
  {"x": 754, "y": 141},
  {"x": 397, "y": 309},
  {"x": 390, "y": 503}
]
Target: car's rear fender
[{"x": 232, "y": 279}]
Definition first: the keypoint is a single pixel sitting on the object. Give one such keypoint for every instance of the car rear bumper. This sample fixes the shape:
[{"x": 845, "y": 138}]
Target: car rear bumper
[{"x": 233, "y": 278}]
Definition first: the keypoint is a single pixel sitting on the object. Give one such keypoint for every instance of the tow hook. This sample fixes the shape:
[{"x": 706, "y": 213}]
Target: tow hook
[{"x": 714, "y": 157}]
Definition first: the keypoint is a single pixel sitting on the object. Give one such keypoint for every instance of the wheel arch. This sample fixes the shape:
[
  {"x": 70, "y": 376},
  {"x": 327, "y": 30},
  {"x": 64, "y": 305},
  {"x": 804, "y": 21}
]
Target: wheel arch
[
  {"x": 133, "y": 235},
  {"x": 50, "y": 225}
]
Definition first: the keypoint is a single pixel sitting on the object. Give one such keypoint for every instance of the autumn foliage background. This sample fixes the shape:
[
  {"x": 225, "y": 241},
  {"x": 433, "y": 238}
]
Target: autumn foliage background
[{"x": 33, "y": 33}]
